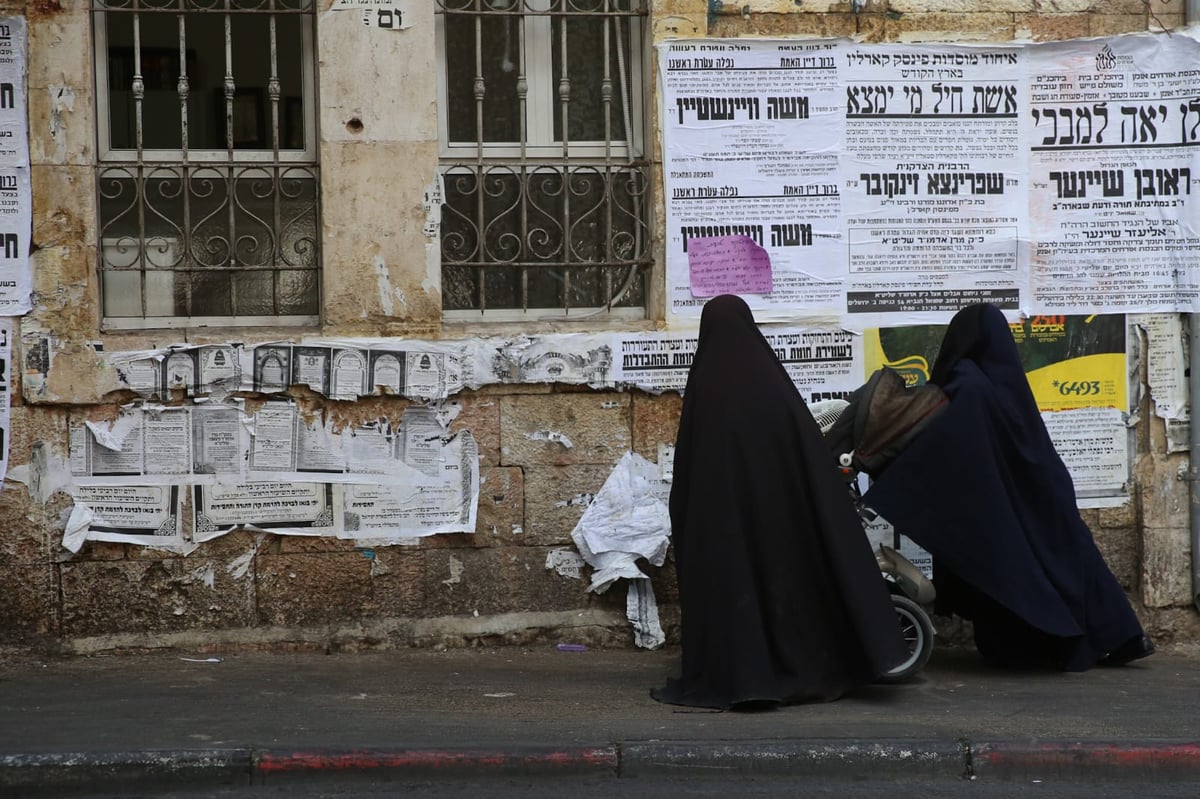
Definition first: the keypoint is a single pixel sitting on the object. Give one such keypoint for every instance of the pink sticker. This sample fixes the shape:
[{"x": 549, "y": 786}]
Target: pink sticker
[{"x": 728, "y": 265}]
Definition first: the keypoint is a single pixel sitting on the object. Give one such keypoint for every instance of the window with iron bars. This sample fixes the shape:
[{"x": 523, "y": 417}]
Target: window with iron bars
[
  {"x": 207, "y": 173},
  {"x": 543, "y": 164}
]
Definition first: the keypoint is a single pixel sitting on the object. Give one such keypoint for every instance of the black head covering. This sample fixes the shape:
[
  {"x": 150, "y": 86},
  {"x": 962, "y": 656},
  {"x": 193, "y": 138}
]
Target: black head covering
[
  {"x": 781, "y": 598},
  {"x": 985, "y": 492}
]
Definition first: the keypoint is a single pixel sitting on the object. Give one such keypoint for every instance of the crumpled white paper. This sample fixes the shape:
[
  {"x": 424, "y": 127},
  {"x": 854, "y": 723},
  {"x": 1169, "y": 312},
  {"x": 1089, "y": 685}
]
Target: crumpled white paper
[{"x": 628, "y": 519}]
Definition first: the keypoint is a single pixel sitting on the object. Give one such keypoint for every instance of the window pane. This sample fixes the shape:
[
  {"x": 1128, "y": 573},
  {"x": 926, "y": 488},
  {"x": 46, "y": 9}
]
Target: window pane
[
  {"x": 209, "y": 241},
  {"x": 586, "y": 110},
  {"x": 159, "y": 68},
  {"x": 505, "y": 215},
  {"x": 540, "y": 226},
  {"x": 496, "y": 41},
  {"x": 205, "y": 62}
]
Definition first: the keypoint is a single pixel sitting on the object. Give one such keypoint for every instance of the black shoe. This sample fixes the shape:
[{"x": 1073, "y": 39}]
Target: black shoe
[{"x": 1134, "y": 649}]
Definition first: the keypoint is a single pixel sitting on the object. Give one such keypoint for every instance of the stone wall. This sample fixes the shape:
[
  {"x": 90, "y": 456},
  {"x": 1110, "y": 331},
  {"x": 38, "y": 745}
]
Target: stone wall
[{"x": 381, "y": 279}]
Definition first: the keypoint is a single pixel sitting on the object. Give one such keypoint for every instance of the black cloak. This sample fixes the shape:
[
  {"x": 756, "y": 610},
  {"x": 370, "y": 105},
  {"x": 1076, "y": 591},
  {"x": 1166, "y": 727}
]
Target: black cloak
[
  {"x": 984, "y": 491},
  {"x": 781, "y": 597}
]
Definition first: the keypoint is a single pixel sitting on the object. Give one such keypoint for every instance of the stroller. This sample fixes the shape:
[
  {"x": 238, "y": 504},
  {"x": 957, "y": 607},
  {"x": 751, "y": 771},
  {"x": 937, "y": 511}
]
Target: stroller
[{"x": 866, "y": 432}]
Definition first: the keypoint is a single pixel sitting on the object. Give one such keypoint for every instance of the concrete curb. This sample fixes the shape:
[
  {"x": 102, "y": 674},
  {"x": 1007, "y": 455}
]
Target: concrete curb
[
  {"x": 816, "y": 758},
  {"x": 1144, "y": 760},
  {"x": 62, "y": 774},
  {"x": 272, "y": 765}
]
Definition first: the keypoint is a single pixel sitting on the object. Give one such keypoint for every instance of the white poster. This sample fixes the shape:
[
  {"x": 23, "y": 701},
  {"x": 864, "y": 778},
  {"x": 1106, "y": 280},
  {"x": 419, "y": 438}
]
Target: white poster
[
  {"x": 934, "y": 180},
  {"x": 283, "y": 508},
  {"x": 16, "y": 199},
  {"x": 752, "y": 133},
  {"x": 1114, "y": 152},
  {"x": 148, "y": 515}
]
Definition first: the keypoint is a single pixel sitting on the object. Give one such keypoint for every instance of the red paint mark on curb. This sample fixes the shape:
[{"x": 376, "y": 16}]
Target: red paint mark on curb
[
  {"x": 1179, "y": 756},
  {"x": 432, "y": 760}
]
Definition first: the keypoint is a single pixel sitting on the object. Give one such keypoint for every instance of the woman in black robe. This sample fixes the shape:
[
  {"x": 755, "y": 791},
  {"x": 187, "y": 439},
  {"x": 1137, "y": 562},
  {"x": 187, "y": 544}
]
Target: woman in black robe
[
  {"x": 781, "y": 597},
  {"x": 984, "y": 491}
]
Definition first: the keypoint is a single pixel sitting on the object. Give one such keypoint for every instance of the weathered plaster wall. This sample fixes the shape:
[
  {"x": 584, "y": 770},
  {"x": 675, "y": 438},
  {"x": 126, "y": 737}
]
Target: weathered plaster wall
[{"x": 378, "y": 132}]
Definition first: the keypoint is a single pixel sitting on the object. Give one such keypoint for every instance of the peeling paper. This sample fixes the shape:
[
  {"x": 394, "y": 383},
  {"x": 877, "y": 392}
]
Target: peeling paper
[
  {"x": 239, "y": 567},
  {"x": 628, "y": 519},
  {"x": 580, "y": 500},
  {"x": 641, "y": 608},
  {"x": 77, "y": 527},
  {"x": 431, "y": 203},
  {"x": 565, "y": 563},
  {"x": 550, "y": 435},
  {"x": 456, "y": 570},
  {"x": 112, "y": 436},
  {"x": 206, "y": 574}
]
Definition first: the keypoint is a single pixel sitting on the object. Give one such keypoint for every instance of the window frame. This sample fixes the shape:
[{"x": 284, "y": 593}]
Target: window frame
[
  {"x": 238, "y": 164},
  {"x": 542, "y": 149}
]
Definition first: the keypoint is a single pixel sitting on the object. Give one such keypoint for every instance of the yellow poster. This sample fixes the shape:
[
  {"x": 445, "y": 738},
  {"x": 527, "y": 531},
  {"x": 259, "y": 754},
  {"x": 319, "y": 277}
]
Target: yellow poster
[{"x": 1070, "y": 361}]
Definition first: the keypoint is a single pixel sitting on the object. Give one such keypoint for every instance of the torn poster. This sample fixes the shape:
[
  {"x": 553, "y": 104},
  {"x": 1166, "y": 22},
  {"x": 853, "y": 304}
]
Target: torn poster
[
  {"x": 628, "y": 519},
  {"x": 281, "y": 508},
  {"x": 641, "y": 608},
  {"x": 147, "y": 515},
  {"x": 6, "y": 336},
  {"x": 822, "y": 363},
  {"x": 1166, "y": 374},
  {"x": 16, "y": 197}
]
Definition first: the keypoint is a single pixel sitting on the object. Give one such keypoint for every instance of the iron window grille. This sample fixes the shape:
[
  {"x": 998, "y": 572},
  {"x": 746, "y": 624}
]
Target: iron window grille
[
  {"x": 207, "y": 176},
  {"x": 544, "y": 174}
]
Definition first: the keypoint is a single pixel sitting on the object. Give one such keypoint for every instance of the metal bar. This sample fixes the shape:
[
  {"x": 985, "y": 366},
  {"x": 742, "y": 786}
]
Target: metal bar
[
  {"x": 276, "y": 187},
  {"x": 480, "y": 89},
  {"x": 231, "y": 179},
  {"x": 564, "y": 100}
]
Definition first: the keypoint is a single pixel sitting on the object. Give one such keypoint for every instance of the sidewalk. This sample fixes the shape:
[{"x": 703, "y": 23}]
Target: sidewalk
[{"x": 176, "y": 719}]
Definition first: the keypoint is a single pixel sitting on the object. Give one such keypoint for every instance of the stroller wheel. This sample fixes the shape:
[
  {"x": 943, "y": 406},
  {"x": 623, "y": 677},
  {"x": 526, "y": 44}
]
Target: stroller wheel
[{"x": 918, "y": 635}]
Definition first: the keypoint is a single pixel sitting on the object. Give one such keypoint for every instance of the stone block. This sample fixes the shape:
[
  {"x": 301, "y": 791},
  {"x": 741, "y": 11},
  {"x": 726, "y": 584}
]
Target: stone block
[
  {"x": 1116, "y": 7},
  {"x": 664, "y": 7},
  {"x": 110, "y": 550},
  {"x": 294, "y": 544},
  {"x": 1038, "y": 27},
  {"x": 354, "y": 68},
  {"x": 655, "y": 421},
  {"x": 1116, "y": 24},
  {"x": 555, "y": 498},
  {"x": 1124, "y": 515},
  {"x": 1166, "y": 567},
  {"x": 499, "y": 580},
  {"x": 464, "y": 581},
  {"x": 916, "y": 28},
  {"x": 501, "y": 516},
  {"x": 532, "y": 588},
  {"x": 679, "y": 25},
  {"x": 1163, "y": 497},
  {"x": 148, "y": 596},
  {"x": 966, "y": 8},
  {"x": 564, "y": 429},
  {"x": 27, "y": 532},
  {"x": 30, "y": 424},
  {"x": 62, "y": 124},
  {"x": 808, "y": 26},
  {"x": 312, "y": 588},
  {"x": 481, "y": 416},
  {"x": 1121, "y": 549},
  {"x": 64, "y": 215},
  {"x": 55, "y": 55},
  {"x": 371, "y": 279},
  {"x": 397, "y": 581},
  {"x": 1160, "y": 22},
  {"x": 30, "y": 602}
]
